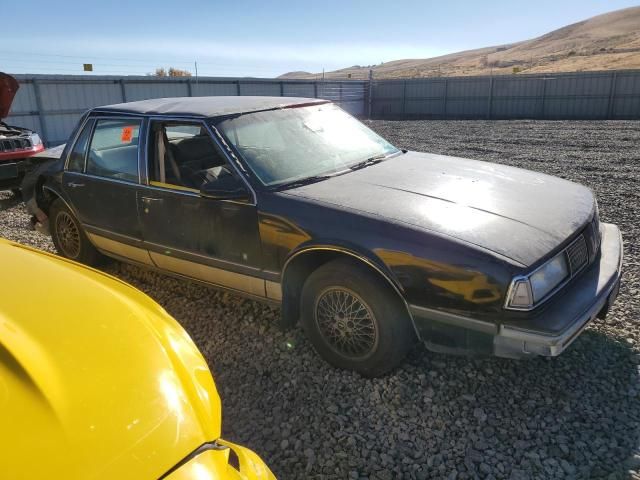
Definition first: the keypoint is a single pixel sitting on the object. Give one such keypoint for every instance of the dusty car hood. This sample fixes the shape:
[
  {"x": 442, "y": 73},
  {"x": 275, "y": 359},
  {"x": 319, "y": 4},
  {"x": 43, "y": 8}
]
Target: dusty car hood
[
  {"x": 8, "y": 88},
  {"x": 91, "y": 385},
  {"x": 516, "y": 213}
]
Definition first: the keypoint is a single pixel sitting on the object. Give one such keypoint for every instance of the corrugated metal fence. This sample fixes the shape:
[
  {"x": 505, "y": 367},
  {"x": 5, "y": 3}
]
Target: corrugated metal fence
[
  {"x": 52, "y": 104},
  {"x": 588, "y": 95}
]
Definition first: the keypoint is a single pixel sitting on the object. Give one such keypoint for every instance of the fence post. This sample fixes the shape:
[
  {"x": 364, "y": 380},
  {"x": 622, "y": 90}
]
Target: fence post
[
  {"x": 446, "y": 94},
  {"x": 315, "y": 89},
  {"x": 282, "y": 89},
  {"x": 404, "y": 99},
  {"x": 123, "y": 90},
  {"x": 544, "y": 98},
  {"x": 189, "y": 87},
  {"x": 612, "y": 95},
  {"x": 490, "y": 100},
  {"x": 370, "y": 91},
  {"x": 238, "y": 87},
  {"x": 43, "y": 127}
]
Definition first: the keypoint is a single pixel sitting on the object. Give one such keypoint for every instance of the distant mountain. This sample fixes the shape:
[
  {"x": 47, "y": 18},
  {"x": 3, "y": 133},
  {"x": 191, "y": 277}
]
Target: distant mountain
[{"x": 605, "y": 42}]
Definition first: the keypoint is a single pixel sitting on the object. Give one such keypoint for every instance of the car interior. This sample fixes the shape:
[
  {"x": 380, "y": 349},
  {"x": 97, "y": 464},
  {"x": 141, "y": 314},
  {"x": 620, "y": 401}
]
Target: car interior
[{"x": 183, "y": 156}]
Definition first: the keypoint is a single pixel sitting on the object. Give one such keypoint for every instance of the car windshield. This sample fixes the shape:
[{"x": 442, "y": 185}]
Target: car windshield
[{"x": 291, "y": 144}]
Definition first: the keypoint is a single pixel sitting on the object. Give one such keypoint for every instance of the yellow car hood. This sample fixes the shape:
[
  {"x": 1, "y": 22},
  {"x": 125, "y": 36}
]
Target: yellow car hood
[{"x": 97, "y": 381}]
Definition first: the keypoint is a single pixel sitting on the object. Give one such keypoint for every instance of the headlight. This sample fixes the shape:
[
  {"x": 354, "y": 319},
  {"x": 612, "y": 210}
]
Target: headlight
[
  {"x": 526, "y": 291},
  {"x": 35, "y": 139},
  {"x": 549, "y": 276}
]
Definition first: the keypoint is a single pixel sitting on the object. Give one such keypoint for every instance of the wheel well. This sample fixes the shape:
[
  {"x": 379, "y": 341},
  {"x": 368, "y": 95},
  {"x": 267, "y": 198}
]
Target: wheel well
[
  {"x": 298, "y": 269},
  {"x": 44, "y": 196}
]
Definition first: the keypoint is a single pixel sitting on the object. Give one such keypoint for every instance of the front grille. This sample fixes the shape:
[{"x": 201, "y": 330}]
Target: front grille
[
  {"x": 11, "y": 144},
  {"x": 577, "y": 254}
]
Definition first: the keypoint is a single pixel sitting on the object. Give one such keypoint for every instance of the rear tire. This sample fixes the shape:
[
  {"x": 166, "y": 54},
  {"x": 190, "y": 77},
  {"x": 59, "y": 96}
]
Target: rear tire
[
  {"x": 68, "y": 236},
  {"x": 354, "y": 320}
]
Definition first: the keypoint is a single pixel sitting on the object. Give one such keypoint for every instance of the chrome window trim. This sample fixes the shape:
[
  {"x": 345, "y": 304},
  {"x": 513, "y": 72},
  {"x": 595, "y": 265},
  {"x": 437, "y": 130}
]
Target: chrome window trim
[
  {"x": 519, "y": 278},
  {"x": 96, "y": 118},
  {"x": 87, "y": 119},
  {"x": 231, "y": 158},
  {"x": 109, "y": 179}
]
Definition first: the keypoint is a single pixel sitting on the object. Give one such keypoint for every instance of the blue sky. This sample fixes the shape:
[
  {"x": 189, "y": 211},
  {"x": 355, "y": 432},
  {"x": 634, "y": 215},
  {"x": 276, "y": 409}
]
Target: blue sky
[{"x": 264, "y": 39}]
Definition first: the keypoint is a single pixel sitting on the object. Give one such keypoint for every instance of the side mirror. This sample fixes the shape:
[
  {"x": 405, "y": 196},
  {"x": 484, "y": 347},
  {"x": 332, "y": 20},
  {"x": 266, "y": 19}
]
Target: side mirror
[{"x": 225, "y": 186}]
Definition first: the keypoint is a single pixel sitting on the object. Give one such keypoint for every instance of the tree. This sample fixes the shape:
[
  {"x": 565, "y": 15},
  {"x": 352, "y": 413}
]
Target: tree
[{"x": 172, "y": 72}]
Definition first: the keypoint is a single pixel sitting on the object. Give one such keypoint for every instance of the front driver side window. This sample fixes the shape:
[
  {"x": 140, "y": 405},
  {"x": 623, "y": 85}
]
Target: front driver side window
[
  {"x": 113, "y": 152},
  {"x": 182, "y": 156}
]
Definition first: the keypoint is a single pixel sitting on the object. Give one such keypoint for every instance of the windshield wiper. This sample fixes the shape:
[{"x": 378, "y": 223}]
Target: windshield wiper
[
  {"x": 302, "y": 182},
  {"x": 368, "y": 162}
]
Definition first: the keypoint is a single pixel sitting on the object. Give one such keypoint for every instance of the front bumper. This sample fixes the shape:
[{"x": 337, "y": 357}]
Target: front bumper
[
  {"x": 551, "y": 332},
  {"x": 548, "y": 332},
  {"x": 12, "y": 172},
  {"x": 215, "y": 463}
]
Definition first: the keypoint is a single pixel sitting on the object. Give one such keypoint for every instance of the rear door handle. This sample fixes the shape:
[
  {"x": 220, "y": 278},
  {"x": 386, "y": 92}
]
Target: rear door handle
[{"x": 74, "y": 184}]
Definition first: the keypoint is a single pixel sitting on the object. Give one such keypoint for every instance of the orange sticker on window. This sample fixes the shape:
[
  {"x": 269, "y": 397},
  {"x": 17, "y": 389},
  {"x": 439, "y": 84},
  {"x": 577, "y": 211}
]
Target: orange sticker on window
[{"x": 127, "y": 134}]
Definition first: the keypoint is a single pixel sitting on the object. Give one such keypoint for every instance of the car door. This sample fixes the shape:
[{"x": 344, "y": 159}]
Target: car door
[
  {"x": 101, "y": 178},
  {"x": 216, "y": 241}
]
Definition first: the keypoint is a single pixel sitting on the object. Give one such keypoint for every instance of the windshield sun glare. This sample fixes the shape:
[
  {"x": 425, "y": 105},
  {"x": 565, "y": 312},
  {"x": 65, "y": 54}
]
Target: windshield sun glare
[{"x": 287, "y": 145}]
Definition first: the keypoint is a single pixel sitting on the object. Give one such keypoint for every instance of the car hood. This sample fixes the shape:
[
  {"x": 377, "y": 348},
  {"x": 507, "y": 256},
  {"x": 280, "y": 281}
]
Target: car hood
[
  {"x": 518, "y": 214},
  {"x": 97, "y": 381},
  {"x": 8, "y": 88}
]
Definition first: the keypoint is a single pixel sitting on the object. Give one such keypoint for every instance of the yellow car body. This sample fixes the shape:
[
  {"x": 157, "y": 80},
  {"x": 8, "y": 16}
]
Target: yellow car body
[{"x": 97, "y": 381}]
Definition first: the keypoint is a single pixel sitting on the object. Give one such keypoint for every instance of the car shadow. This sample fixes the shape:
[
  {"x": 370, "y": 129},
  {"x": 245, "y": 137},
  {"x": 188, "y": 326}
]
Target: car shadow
[{"x": 575, "y": 415}]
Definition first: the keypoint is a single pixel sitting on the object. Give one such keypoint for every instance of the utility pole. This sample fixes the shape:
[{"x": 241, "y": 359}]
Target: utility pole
[{"x": 196, "y": 65}]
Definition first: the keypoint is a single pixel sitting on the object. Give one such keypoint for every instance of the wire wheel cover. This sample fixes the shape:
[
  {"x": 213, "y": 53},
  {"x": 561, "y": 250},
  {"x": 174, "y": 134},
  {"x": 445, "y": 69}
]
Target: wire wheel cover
[
  {"x": 68, "y": 235},
  {"x": 346, "y": 323}
]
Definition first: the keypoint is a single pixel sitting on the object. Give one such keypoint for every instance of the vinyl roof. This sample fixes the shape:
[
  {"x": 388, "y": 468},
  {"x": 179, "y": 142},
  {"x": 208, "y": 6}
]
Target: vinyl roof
[{"x": 207, "y": 106}]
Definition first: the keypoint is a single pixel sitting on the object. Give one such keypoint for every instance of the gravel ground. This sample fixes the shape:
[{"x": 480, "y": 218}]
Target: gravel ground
[{"x": 575, "y": 416}]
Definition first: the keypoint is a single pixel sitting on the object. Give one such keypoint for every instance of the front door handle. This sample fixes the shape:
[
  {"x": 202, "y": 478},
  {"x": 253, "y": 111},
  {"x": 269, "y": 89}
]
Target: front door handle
[
  {"x": 146, "y": 201},
  {"x": 150, "y": 199},
  {"x": 74, "y": 184}
]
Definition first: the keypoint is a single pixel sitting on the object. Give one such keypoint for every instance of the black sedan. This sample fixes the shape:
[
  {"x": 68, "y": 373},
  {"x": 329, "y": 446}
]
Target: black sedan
[{"x": 293, "y": 201}]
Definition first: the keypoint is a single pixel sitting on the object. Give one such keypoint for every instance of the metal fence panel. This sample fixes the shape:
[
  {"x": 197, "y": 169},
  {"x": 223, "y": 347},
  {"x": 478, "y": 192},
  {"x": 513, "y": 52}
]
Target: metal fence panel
[
  {"x": 582, "y": 95},
  {"x": 262, "y": 88},
  {"x": 25, "y": 99},
  {"x": 203, "y": 89},
  {"x": 153, "y": 89},
  {"x": 299, "y": 90},
  {"x": 416, "y": 90},
  {"x": 65, "y": 96},
  {"x": 59, "y": 126},
  {"x": 431, "y": 108},
  {"x": 52, "y": 104}
]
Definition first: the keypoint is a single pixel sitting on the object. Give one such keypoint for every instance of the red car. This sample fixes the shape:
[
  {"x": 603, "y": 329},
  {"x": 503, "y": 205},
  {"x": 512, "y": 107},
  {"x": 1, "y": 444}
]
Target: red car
[{"x": 17, "y": 144}]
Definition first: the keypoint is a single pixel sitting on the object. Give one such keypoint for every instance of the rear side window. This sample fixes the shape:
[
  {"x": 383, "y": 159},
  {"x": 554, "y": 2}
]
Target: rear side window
[
  {"x": 113, "y": 152},
  {"x": 77, "y": 155}
]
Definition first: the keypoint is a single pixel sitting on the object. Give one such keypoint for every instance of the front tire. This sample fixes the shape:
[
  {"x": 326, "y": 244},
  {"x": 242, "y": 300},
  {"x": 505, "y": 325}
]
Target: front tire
[
  {"x": 69, "y": 237},
  {"x": 354, "y": 320}
]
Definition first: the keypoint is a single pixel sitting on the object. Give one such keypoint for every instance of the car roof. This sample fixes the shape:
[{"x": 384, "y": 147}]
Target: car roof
[{"x": 207, "y": 106}]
